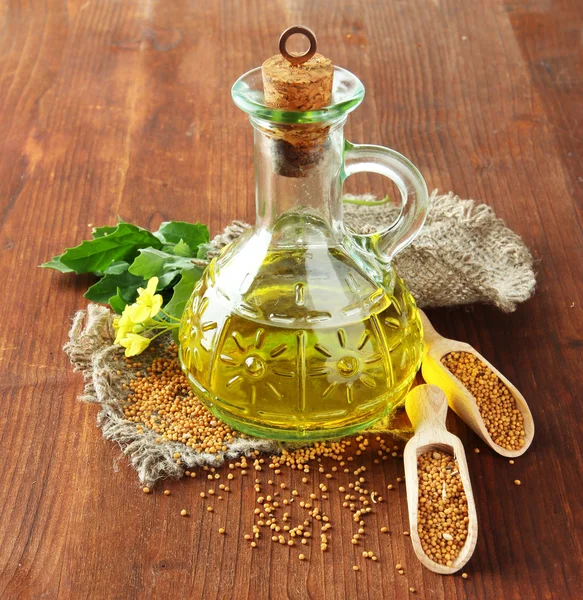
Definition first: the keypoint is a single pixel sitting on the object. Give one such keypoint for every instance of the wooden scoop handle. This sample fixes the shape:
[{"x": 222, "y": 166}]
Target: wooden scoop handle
[
  {"x": 429, "y": 334},
  {"x": 426, "y": 405}
]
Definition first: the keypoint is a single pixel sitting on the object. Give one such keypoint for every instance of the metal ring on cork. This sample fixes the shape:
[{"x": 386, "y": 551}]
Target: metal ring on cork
[{"x": 297, "y": 59}]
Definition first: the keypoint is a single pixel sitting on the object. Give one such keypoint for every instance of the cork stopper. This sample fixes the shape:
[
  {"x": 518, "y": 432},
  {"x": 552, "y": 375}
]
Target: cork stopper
[
  {"x": 306, "y": 87},
  {"x": 299, "y": 83}
]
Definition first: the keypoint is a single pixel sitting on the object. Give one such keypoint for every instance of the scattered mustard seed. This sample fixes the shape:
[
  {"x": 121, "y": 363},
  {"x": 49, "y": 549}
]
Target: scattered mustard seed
[{"x": 161, "y": 400}]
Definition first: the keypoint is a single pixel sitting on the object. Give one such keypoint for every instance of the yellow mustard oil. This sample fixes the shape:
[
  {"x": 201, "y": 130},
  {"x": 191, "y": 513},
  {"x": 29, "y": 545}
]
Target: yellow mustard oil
[{"x": 305, "y": 346}]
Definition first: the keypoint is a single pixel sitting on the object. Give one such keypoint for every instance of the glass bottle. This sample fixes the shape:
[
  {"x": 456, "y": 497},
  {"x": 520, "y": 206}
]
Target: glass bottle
[{"x": 301, "y": 329}]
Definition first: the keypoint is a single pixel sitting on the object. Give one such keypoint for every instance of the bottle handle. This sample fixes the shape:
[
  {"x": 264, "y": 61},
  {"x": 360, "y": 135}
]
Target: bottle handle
[{"x": 366, "y": 158}]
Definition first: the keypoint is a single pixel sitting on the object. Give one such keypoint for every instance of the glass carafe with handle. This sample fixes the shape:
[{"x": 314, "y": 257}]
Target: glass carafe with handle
[{"x": 301, "y": 329}]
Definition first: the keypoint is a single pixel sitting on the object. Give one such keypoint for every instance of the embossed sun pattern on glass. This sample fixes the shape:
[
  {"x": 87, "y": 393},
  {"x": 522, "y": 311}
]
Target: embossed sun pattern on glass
[{"x": 281, "y": 359}]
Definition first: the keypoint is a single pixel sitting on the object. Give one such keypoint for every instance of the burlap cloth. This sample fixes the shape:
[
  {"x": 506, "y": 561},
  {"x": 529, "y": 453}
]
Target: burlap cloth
[{"x": 463, "y": 255}]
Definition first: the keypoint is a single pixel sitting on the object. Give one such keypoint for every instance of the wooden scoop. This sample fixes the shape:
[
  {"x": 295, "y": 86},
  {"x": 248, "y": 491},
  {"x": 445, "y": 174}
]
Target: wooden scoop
[
  {"x": 461, "y": 401},
  {"x": 426, "y": 407}
]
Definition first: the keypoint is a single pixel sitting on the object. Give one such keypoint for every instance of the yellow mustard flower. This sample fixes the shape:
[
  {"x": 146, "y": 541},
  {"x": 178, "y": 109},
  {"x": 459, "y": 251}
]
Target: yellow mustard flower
[
  {"x": 134, "y": 343},
  {"x": 138, "y": 318},
  {"x": 122, "y": 325},
  {"x": 148, "y": 303}
]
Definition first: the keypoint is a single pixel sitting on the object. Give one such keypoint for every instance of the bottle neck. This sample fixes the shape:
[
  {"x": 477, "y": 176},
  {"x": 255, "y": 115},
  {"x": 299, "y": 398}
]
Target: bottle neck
[{"x": 298, "y": 171}]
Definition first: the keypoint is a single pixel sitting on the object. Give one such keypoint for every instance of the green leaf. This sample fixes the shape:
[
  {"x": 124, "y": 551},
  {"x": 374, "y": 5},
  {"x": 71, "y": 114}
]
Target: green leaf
[
  {"x": 106, "y": 229},
  {"x": 55, "y": 263},
  {"x": 194, "y": 234},
  {"x": 203, "y": 250},
  {"x": 117, "y": 303},
  {"x": 182, "y": 249},
  {"x": 183, "y": 291},
  {"x": 98, "y": 232},
  {"x": 116, "y": 279},
  {"x": 179, "y": 249},
  {"x": 366, "y": 202},
  {"x": 122, "y": 243},
  {"x": 157, "y": 263}
]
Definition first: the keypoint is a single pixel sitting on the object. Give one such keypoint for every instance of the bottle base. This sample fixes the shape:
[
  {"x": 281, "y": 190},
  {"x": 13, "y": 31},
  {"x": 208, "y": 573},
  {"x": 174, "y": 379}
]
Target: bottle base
[{"x": 297, "y": 434}]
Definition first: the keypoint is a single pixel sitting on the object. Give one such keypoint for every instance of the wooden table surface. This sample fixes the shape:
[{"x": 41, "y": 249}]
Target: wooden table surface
[{"x": 112, "y": 107}]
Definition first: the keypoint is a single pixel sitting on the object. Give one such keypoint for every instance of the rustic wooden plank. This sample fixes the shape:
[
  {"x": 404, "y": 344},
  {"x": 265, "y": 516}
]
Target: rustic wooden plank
[{"x": 111, "y": 108}]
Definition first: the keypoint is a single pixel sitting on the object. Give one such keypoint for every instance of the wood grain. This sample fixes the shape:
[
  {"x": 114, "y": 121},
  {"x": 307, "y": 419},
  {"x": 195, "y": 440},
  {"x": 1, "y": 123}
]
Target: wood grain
[{"x": 114, "y": 108}]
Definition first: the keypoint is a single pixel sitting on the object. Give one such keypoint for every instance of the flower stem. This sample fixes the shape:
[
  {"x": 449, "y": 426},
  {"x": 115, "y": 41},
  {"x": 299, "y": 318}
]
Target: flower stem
[
  {"x": 158, "y": 334},
  {"x": 169, "y": 315}
]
